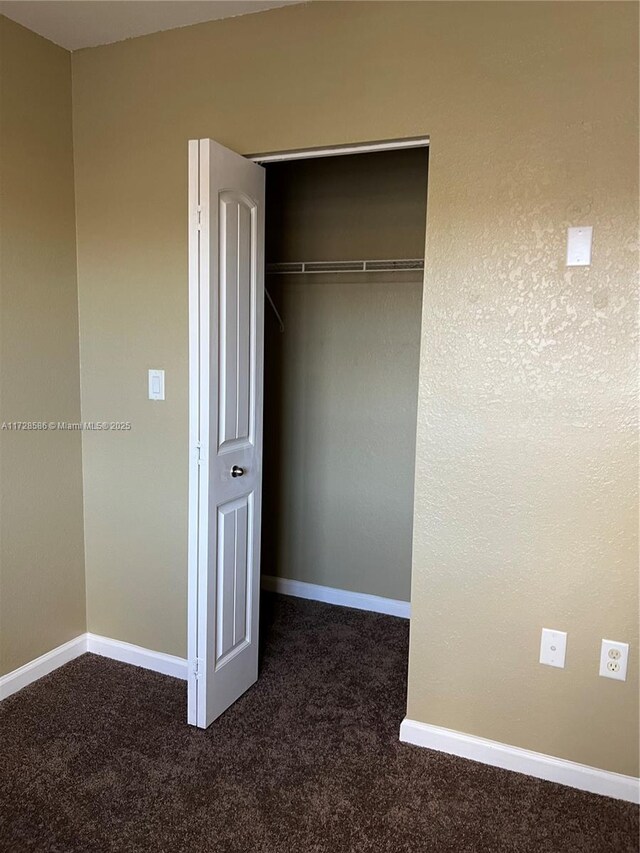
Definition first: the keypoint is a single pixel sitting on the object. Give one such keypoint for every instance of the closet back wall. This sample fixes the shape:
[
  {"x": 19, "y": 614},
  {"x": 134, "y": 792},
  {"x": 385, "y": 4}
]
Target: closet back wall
[{"x": 341, "y": 382}]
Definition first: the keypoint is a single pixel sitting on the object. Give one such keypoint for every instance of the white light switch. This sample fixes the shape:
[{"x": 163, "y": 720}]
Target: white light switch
[
  {"x": 156, "y": 384},
  {"x": 579, "y": 246},
  {"x": 553, "y": 647}
]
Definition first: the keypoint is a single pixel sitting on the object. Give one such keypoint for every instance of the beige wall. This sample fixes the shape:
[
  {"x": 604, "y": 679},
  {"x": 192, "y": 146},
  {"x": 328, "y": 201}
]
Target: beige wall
[
  {"x": 42, "y": 593},
  {"x": 525, "y": 511},
  {"x": 341, "y": 381},
  {"x": 355, "y": 207},
  {"x": 340, "y": 429}
]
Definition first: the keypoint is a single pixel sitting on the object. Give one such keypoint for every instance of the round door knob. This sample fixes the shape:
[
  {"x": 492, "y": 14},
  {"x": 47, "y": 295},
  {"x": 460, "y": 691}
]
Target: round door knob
[{"x": 237, "y": 471}]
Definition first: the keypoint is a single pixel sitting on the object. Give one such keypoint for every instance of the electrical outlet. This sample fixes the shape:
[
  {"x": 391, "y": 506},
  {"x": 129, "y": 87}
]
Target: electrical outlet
[{"x": 613, "y": 660}]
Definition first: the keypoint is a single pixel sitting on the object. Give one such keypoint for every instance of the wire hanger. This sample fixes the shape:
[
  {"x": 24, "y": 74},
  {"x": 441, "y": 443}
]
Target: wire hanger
[{"x": 275, "y": 310}]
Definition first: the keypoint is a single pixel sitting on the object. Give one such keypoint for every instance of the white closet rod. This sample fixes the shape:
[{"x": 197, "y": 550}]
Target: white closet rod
[{"x": 307, "y": 267}]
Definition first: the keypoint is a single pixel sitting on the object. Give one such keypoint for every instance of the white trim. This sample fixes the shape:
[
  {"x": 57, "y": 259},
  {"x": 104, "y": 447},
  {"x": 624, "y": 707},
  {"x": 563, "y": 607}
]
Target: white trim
[
  {"x": 195, "y": 216},
  {"x": 103, "y": 646},
  {"x": 46, "y": 663},
  {"x": 514, "y": 758},
  {"x": 339, "y": 150},
  {"x": 342, "y": 597},
  {"x": 200, "y": 586},
  {"x": 137, "y": 656}
]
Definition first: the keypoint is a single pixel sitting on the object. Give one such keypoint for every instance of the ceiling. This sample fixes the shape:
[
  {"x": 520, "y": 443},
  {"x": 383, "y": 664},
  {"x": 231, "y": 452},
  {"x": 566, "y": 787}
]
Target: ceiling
[{"x": 86, "y": 23}]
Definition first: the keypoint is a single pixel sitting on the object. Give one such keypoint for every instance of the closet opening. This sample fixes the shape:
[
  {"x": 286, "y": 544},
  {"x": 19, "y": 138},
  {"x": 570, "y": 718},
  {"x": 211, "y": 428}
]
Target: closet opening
[
  {"x": 302, "y": 413},
  {"x": 344, "y": 252}
]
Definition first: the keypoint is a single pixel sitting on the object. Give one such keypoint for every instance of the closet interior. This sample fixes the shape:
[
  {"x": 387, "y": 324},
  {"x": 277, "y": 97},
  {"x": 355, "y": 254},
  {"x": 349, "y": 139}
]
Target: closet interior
[{"x": 345, "y": 240}]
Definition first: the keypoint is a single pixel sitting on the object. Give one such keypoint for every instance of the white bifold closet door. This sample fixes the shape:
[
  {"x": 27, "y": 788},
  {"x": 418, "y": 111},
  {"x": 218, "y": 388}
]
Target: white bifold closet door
[{"x": 226, "y": 300}]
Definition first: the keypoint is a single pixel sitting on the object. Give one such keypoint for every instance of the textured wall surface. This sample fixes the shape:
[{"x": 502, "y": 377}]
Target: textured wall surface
[
  {"x": 525, "y": 512},
  {"x": 42, "y": 593},
  {"x": 526, "y": 507},
  {"x": 341, "y": 382}
]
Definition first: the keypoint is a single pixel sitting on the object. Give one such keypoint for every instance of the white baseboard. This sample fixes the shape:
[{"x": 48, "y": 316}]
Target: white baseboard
[
  {"x": 342, "y": 597},
  {"x": 104, "y": 646},
  {"x": 46, "y": 663},
  {"x": 137, "y": 656},
  {"x": 514, "y": 758}
]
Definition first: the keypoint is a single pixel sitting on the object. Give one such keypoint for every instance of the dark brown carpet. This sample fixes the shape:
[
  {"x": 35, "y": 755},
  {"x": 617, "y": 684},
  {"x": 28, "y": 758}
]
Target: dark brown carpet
[{"x": 97, "y": 757}]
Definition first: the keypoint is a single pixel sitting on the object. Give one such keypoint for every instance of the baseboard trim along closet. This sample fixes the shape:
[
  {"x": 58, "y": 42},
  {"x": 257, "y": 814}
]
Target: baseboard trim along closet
[
  {"x": 514, "y": 758},
  {"x": 137, "y": 656},
  {"x": 103, "y": 646},
  {"x": 342, "y": 597},
  {"x": 41, "y": 666}
]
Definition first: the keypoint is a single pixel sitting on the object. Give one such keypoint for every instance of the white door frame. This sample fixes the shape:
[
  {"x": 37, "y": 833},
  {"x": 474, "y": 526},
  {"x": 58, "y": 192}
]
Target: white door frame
[
  {"x": 195, "y": 379},
  {"x": 199, "y": 369},
  {"x": 341, "y": 150}
]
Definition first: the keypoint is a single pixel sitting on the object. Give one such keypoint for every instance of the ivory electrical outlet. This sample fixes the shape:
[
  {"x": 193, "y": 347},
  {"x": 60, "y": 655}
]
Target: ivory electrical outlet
[
  {"x": 553, "y": 647},
  {"x": 613, "y": 659}
]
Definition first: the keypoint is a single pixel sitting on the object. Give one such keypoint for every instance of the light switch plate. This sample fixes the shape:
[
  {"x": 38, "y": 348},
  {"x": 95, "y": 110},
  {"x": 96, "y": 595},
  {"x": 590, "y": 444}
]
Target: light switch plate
[
  {"x": 156, "y": 384},
  {"x": 579, "y": 246},
  {"x": 553, "y": 647}
]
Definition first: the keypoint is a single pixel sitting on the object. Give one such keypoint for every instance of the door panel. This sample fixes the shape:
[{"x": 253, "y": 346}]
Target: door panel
[
  {"x": 226, "y": 368},
  {"x": 233, "y": 557},
  {"x": 238, "y": 220}
]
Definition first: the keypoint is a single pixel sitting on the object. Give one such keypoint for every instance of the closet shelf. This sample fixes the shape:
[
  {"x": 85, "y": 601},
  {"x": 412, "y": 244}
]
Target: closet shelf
[{"x": 306, "y": 267}]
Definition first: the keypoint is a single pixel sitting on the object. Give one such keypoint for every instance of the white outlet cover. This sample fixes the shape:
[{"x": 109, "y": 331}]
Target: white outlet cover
[
  {"x": 614, "y": 657},
  {"x": 553, "y": 647}
]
